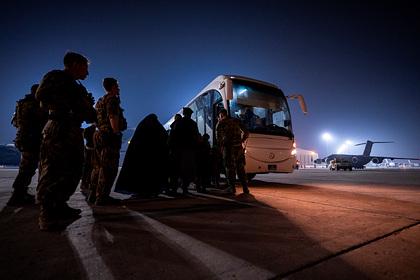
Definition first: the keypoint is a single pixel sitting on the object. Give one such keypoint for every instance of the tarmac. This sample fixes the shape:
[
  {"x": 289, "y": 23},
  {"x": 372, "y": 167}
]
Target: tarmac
[{"x": 312, "y": 224}]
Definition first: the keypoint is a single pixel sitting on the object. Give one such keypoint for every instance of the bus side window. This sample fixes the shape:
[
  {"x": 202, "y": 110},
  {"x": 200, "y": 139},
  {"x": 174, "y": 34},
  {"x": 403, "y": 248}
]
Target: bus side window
[{"x": 201, "y": 121}]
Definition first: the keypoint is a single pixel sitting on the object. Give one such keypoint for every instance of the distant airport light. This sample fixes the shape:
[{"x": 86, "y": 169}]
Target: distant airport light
[
  {"x": 342, "y": 148},
  {"x": 345, "y": 146},
  {"x": 327, "y": 137}
]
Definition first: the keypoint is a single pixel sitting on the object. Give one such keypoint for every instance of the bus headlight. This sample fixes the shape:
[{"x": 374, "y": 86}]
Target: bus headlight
[{"x": 293, "y": 152}]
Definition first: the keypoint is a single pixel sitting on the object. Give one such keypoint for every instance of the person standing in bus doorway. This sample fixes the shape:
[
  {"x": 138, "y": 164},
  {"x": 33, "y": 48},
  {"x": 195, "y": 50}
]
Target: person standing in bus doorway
[
  {"x": 184, "y": 141},
  {"x": 107, "y": 142},
  {"x": 230, "y": 134},
  {"x": 61, "y": 156},
  {"x": 29, "y": 119}
]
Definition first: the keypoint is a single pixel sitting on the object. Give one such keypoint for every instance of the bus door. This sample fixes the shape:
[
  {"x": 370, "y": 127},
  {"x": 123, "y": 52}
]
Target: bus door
[{"x": 216, "y": 109}]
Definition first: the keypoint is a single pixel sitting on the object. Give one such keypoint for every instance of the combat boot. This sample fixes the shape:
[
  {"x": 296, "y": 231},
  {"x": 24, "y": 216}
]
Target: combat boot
[
  {"x": 245, "y": 186},
  {"x": 21, "y": 199},
  {"x": 185, "y": 191},
  {"x": 107, "y": 200},
  {"x": 64, "y": 211},
  {"x": 47, "y": 221},
  {"x": 231, "y": 190},
  {"x": 91, "y": 198},
  {"x": 85, "y": 191}
]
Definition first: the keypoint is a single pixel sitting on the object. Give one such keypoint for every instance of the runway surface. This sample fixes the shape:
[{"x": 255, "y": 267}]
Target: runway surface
[{"x": 313, "y": 223}]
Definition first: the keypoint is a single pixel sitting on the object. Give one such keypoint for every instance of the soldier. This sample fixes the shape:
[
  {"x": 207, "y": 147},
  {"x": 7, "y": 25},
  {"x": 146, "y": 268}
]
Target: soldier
[
  {"x": 204, "y": 163},
  {"x": 230, "y": 134},
  {"x": 107, "y": 140},
  {"x": 85, "y": 185},
  {"x": 184, "y": 141},
  {"x": 29, "y": 119},
  {"x": 61, "y": 158},
  {"x": 173, "y": 168}
]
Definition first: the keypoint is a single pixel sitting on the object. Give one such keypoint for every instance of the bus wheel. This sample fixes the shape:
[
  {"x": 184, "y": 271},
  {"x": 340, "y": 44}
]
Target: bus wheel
[{"x": 250, "y": 176}]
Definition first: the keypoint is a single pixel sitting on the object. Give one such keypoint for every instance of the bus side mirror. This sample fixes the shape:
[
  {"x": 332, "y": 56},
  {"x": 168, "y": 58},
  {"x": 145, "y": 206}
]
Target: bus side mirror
[{"x": 301, "y": 100}]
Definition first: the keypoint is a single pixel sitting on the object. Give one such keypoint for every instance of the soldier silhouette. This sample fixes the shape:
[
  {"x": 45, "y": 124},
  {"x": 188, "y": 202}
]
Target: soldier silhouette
[
  {"x": 184, "y": 141},
  {"x": 107, "y": 141},
  {"x": 29, "y": 119},
  {"x": 230, "y": 134},
  {"x": 61, "y": 157}
]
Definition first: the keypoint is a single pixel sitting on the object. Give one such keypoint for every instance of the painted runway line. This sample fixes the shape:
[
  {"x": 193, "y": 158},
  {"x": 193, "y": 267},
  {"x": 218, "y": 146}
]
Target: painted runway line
[
  {"x": 80, "y": 236},
  {"x": 222, "y": 264}
]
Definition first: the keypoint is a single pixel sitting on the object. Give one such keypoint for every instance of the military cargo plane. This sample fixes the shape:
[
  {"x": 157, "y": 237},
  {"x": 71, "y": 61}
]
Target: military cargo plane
[{"x": 359, "y": 161}]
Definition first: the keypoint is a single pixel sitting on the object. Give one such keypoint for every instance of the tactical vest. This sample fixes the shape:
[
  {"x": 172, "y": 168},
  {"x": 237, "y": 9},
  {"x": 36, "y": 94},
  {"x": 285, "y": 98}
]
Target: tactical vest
[
  {"x": 27, "y": 114},
  {"x": 14, "y": 120},
  {"x": 17, "y": 115},
  {"x": 229, "y": 132},
  {"x": 103, "y": 123},
  {"x": 29, "y": 119},
  {"x": 66, "y": 99}
]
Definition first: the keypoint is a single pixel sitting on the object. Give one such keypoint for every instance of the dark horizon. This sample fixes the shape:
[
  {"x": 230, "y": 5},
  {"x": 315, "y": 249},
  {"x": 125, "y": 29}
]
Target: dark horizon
[{"x": 356, "y": 63}]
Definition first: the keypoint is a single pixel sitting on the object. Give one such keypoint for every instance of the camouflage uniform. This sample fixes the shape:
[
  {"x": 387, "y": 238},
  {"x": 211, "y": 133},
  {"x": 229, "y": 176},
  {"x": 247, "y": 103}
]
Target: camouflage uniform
[
  {"x": 61, "y": 157},
  {"x": 107, "y": 147},
  {"x": 29, "y": 119},
  {"x": 230, "y": 134}
]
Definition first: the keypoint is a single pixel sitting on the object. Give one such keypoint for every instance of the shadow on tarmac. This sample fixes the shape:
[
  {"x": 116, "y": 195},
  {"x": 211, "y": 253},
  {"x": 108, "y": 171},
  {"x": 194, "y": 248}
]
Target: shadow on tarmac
[
  {"x": 242, "y": 227},
  {"x": 28, "y": 253}
]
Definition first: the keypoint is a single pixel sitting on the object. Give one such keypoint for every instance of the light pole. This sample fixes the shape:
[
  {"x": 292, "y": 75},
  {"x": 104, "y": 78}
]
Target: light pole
[{"x": 327, "y": 138}]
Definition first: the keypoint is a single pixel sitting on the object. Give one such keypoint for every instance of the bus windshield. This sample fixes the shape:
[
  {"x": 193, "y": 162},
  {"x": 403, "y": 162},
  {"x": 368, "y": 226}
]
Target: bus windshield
[{"x": 262, "y": 109}]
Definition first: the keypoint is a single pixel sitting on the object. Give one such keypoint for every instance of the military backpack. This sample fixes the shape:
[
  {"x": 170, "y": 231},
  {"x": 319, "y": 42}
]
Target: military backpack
[{"x": 22, "y": 106}]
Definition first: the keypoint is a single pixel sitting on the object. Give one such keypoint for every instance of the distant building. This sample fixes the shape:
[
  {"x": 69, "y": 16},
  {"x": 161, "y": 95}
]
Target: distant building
[{"x": 306, "y": 158}]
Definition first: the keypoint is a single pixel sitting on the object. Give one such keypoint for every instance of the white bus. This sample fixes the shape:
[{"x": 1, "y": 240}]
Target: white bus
[{"x": 263, "y": 108}]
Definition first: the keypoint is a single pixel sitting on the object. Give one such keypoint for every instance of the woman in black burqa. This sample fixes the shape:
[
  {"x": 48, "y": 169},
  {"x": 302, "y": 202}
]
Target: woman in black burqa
[{"x": 144, "y": 170}]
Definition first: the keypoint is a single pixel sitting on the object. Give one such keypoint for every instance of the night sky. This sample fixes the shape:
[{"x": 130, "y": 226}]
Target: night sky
[{"x": 357, "y": 64}]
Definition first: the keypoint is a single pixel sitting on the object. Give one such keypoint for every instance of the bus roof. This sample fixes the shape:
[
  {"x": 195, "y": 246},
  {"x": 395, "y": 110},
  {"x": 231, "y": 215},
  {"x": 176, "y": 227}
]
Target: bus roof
[
  {"x": 221, "y": 78},
  {"x": 233, "y": 77},
  {"x": 215, "y": 83}
]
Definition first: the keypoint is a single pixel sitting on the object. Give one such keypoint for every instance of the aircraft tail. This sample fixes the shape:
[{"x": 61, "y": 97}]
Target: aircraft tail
[{"x": 369, "y": 144}]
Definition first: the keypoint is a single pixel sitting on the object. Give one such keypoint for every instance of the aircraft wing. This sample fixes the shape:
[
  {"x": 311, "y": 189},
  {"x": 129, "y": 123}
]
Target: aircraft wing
[
  {"x": 392, "y": 158},
  {"x": 375, "y": 159}
]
